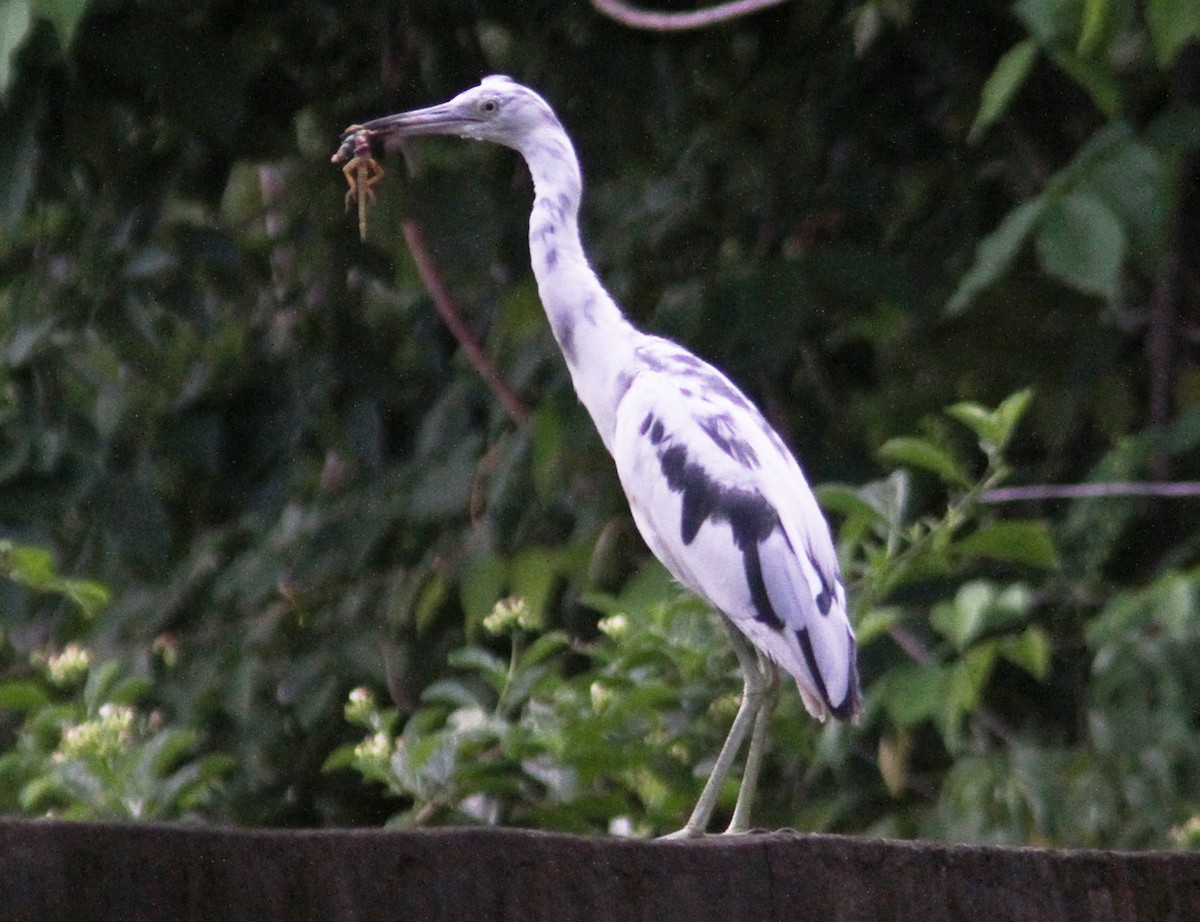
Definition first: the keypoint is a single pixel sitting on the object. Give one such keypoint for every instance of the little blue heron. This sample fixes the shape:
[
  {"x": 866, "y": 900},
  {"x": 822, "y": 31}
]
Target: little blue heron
[{"x": 713, "y": 489}]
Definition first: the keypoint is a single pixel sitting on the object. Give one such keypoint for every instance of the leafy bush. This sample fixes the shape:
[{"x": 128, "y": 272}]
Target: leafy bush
[
  {"x": 85, "y": 749},
  {"x": 621, "y": 739}
]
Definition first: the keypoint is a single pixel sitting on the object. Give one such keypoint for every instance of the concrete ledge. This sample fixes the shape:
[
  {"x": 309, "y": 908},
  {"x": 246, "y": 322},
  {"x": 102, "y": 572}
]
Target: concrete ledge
[{"x": 83, "y": 871}]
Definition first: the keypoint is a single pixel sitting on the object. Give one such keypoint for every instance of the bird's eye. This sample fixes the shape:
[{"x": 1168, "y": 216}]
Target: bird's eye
[{"x": 489, "y": 106}]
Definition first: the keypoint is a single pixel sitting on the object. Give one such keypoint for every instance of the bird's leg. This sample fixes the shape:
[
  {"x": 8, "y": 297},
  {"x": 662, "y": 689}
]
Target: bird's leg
[
  {"x": 754, "y": 687},
  {"x": 758, "y": 744}
]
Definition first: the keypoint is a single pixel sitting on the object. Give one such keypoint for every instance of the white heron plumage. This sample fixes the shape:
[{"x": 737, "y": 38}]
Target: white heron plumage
[{"x": 713, "y": 489}]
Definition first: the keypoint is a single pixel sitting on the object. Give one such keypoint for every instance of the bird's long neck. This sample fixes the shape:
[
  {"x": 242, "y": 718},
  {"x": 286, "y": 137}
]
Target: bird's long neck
[{"x": 596, "y": 339}]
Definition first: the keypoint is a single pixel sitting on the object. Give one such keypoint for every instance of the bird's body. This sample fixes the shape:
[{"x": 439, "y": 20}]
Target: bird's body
[{"x": 713, "y": 489}]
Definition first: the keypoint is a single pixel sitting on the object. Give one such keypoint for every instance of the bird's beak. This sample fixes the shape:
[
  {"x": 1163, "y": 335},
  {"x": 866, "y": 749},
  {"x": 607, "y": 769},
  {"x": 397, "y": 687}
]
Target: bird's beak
[{"x": 446, "y": 118}]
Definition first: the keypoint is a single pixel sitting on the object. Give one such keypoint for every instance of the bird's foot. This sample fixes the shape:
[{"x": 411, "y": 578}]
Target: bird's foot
[{"x": 687, "y": 832}]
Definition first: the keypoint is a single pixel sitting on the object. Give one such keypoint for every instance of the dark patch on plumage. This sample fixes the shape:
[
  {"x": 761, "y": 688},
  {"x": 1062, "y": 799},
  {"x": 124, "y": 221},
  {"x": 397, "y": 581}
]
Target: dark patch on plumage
[
  {"x": 586, "y": 307},
  {"x": 564, "y": 332},
  {"x": 693, "y": 483},
  {"x": 650, "y": 360},
  {"x": 715, "y": 384},
  {"x": 710, "y": 381},
  {"x": 544, "y": 234},
  {"x": 750, "y": 516},
  {"x": 550, "y": 149},
  {"x": 558, "y": 207},
  {"x": 653, "y": 426},
  {"x": 719, "y": 428},
  {"x": 825, "y": 596},
  {"x": 810, "y": 659},
  {"x": 852, "y": 704},
  {"x": 667, "y": 357},
  {"x": 849, "y": 705},
  {"x": 764, "y": 611}
]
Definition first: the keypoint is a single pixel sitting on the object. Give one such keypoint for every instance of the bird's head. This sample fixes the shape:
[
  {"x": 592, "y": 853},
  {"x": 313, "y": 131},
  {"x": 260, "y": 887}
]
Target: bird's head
[{"x": 499, "y": 110}]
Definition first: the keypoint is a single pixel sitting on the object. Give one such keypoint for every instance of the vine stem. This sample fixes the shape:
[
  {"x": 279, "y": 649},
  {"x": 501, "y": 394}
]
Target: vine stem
[
  {"x": 679, "y": 22},
  {"x": 448, "y": 310}
]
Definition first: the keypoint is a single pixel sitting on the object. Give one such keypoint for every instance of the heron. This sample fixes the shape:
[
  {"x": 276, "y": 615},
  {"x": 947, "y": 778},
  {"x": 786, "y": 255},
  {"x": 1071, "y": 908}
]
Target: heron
[{"x": 713, "y": 489}]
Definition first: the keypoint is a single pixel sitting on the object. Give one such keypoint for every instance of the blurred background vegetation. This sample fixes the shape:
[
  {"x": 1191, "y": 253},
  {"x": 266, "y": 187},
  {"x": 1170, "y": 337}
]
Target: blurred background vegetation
[{"x": 245, "y": 471}]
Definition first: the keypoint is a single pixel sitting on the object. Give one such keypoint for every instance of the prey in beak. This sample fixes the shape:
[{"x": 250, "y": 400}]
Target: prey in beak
[{"x": 363, "y": 172}]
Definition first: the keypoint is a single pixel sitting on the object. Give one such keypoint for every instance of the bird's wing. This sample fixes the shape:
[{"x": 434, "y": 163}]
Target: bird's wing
[{"x": 722, "y": 502}]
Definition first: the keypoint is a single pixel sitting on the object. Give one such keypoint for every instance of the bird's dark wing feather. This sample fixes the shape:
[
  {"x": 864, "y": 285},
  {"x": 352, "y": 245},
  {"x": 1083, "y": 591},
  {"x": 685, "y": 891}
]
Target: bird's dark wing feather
[{"x": 724, "y": 505}]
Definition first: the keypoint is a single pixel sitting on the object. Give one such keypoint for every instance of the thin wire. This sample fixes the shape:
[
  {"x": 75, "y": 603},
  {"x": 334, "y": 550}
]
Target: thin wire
[{"x": 1179, "y": 489}]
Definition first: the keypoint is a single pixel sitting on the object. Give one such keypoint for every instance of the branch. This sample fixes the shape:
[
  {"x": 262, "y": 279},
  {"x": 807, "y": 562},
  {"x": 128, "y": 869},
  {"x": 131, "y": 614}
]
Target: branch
[
  {"x": 448, "y": 311},
  {"x": 679, "y": 22},
  {"x": 1091, "y": 490}
]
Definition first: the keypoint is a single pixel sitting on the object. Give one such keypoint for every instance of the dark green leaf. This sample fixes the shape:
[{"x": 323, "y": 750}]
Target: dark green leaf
[
  {"x": 341, "y": 758},
  {"x": 1081, "y": 243},
  {"x": 534, "y": 574},
  {"x": 994, "y": 428},
  {"x": 1030, "y": 650},
  {"x": 995, "y": 254},
  {"x": 31, "y": 566},
  {"x": 477, "y": 659},
  {"x": 545, "y": 646},
  {"x": 1096, "y": 77},
  {"x": 1024, "y": 542},
  {"x": 1005, "y": 81},
  {"x": 1176, "y": 127},
  {"x": 846, "y": 501},
  {"x": 911, "y": 694},
  {"x": 1173, "y": 23},
  {"x": 917, "y": 452},
  {"x": 453, "y": 692},
  {"x": 90, "y": 596},
  {"x": 15, "y": 23},
  {"x": 1097, "y": 15},
  {"x": 22, "y": 696},
  {"x": 875, "y": 623},
  {"x": 482, "y": 586},
  {"x": 64, "y": 14}
]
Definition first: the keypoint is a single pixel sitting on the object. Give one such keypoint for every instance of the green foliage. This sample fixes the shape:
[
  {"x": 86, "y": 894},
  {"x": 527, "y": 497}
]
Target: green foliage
[
  {"x": 514, "y": 741},
  {"x": 1129, "y": 780},
  {"x": 1109, "y": 206},
  {"x": 33, "y": 567},
  {"x": 953, "y": 646},
  {"x": 85, "y": 748},
  {"x": 1111, "y": 200}
]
